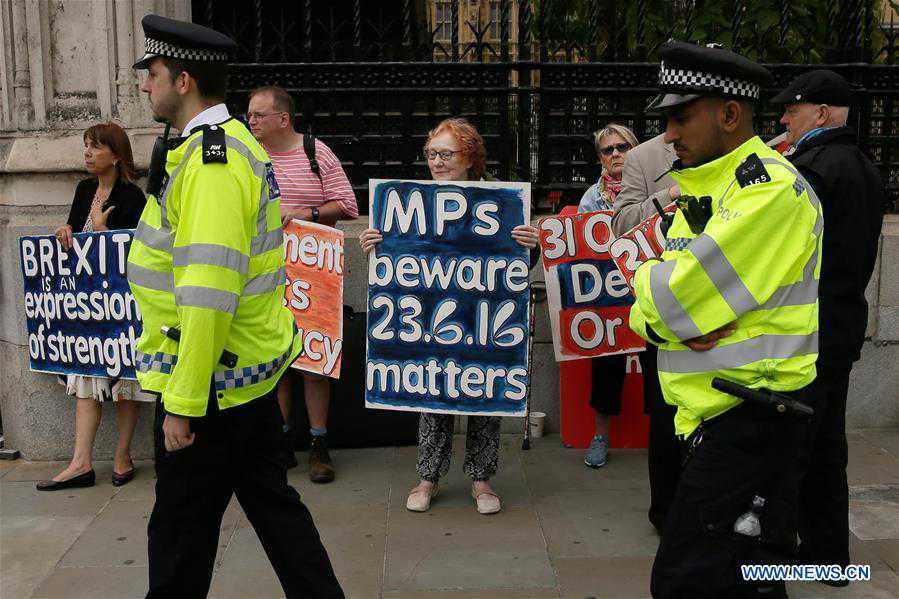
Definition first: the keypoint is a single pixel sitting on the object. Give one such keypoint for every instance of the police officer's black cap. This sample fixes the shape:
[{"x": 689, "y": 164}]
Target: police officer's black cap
[
  {"x": 816, "y": 87},
  {"x": 688, "y": 72},
  {"x": 183, "y": 41}
]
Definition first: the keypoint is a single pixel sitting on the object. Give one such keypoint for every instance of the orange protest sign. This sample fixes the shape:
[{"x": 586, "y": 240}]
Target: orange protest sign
[{"x": 313, "y": 255}]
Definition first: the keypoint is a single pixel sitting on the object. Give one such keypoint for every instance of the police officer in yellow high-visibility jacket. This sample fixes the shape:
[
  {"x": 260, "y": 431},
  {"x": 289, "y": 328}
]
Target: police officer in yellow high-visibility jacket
[
  {"x": 736, "y": 297},
  {"x": 207, "y": 262}
]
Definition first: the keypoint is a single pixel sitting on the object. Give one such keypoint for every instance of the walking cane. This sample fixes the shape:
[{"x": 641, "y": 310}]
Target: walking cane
[{"x": 536, "y": 288}]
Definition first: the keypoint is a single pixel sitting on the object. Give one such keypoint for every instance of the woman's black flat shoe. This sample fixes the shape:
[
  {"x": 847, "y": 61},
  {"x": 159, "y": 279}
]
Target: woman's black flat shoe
[
  {"x": 82, "y": 480},
  {"x": 120, "y": 479}
]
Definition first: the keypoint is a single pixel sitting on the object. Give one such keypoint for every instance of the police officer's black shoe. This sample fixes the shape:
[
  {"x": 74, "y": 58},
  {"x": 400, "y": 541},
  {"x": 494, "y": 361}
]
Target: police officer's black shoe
[{"x": 320, "y": 468}]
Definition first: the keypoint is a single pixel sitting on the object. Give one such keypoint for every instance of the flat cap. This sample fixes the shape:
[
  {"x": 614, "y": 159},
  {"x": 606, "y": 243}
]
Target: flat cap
[
  {"x": 816, "y": 87},
  {"x": 688, "y": 71},
  {"x": 183, "y": 41}
]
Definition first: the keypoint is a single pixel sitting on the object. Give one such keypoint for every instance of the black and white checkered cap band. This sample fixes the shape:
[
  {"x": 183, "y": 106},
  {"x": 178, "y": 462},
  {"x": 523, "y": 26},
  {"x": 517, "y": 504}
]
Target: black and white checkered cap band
[
  {"x": 684, "y": 79},
  {"x": 160, "y": 48}
]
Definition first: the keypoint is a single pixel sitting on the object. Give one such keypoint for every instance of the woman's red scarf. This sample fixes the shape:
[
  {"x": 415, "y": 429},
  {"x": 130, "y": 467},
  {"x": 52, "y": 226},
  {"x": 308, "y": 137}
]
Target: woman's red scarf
[{"x": 611, "y": 186}]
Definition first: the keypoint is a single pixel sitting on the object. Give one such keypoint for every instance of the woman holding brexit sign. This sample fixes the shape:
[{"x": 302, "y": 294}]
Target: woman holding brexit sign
[
  {"x": 455, "y": 151},
  {"x": 107, "y": 200}
]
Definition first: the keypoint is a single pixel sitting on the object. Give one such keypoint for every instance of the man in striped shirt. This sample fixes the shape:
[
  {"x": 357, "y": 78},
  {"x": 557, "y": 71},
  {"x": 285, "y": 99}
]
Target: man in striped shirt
[{"x": 325, "y": 198}]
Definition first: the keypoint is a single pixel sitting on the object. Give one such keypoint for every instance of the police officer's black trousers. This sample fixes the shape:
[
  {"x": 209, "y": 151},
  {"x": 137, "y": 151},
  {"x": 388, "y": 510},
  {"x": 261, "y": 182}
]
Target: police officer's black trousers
[
  {"x": 235, "y": 451},
  {"x": 824, "y": 497},
  {"x": 664, "y": 451},
  {"x": 744, "y": 452}
]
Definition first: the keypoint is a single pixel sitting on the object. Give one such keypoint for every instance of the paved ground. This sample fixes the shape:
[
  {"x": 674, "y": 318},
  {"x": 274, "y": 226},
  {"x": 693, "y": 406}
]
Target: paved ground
[{"x": 566, "y": 531}]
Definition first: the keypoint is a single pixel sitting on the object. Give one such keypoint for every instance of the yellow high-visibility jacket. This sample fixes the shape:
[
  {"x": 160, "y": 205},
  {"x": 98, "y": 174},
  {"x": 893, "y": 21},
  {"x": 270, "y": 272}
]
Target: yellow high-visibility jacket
[
  {"x": 757, "y": 262},
  {"x": 207, "y": 258}
]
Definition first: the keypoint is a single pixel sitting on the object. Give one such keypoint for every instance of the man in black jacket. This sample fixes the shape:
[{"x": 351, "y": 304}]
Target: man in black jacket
[{"x": 852, "y": 197}]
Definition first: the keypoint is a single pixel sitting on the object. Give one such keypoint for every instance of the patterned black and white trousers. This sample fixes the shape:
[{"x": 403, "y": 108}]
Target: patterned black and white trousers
[{"x": 435, "y": 446}]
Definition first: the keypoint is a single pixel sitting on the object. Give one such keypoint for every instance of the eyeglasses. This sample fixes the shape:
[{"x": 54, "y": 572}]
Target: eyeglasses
[
  {"x": 609, "y": 150},
  {"x": 445, "y": 155},
  {"x": 254, "y": 116}
]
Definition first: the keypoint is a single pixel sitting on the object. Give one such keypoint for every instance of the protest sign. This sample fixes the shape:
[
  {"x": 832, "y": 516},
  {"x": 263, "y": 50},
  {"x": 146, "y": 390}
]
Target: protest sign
[
  {"x": 587, "y": 297},
  {"x": 641, "y": 243},
  {"x": 80, "y": 315},
  {"x": 448, "y": 299},
  {"x": 313, "y": 256}
]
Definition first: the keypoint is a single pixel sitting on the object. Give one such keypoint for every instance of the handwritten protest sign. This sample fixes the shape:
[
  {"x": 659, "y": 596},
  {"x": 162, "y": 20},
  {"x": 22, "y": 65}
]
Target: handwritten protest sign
[
  {"x": 587, "y": 297},
  {"x": 313, "y": 255},
  {"x": 80, "y": 315},
  {"x": 641, "y": 243},
  {"x": 448, "y": 300}
]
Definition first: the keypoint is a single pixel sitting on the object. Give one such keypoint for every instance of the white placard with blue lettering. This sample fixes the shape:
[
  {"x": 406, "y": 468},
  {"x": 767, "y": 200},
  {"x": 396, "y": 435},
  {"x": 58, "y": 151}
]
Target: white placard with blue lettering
[
  {"x": 79, "y": 311},
  {"x": 448, "y": 296}
]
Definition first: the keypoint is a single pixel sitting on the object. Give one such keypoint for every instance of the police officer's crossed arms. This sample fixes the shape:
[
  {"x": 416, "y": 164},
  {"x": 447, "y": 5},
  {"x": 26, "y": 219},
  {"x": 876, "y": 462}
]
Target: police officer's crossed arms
[{"x": 734, "y": 297}]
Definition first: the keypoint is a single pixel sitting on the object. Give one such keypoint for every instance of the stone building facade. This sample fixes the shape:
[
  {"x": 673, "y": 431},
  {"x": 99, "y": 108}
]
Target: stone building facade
[{"x": 66, "y": 64}]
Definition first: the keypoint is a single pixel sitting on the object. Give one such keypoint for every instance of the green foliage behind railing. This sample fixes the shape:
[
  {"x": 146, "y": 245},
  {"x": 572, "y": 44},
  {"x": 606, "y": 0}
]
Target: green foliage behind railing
[{"x": 805, "y": 31}]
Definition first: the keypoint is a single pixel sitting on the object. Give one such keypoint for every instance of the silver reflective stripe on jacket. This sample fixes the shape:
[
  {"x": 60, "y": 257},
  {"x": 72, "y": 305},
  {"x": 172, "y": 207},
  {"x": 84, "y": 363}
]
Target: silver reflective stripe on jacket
[
  {"x": 805, "y": 291},
  {"x": 265, "y": 283},
  {"x": 157, "y": 280},
  {"x": 670, "y": 309},
  {"x": 266, "y": 242},
  {"x": 206, "y": 297},
  {"x": 798, "y": 294},
  {"x": 735, "y": 355},
  {"x": 157, "y": 239},
  {"x": 211, "y": 254},
  {"x": 722, "y": 274}
]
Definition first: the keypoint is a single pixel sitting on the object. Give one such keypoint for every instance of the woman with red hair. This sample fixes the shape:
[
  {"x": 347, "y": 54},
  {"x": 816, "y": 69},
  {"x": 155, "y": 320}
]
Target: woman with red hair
[
  {"x": 108, "y": 199},
  {"x": 455, "y": 152}
]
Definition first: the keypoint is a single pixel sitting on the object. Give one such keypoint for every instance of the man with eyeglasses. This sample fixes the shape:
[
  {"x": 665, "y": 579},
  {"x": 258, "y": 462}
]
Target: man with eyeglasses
[{"x": 313, "y": 188}]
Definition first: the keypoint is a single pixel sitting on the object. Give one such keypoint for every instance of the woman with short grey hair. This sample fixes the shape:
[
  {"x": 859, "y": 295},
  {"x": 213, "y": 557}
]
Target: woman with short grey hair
[{"x": 612, "y": 143}]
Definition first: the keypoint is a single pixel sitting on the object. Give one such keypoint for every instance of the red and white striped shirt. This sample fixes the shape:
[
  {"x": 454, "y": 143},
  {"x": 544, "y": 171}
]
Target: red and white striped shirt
[{"x": 301, "y": 188}]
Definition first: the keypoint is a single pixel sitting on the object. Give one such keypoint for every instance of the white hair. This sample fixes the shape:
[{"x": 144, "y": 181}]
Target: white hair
[
  {"x": 839, "y": 116},
  {"x": 614, "y": 129}
]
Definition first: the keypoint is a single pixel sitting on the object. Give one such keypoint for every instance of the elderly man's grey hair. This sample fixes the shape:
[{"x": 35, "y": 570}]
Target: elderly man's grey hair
[{"x": 839, "y": 115}]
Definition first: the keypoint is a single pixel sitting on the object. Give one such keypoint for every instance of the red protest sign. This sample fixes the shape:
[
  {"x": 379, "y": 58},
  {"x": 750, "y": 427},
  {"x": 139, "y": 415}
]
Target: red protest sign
[
  {"x": 588, "y": 298},
  {"x": 587, "y": 332},
  {"x": 638, "y": 245},
  {"x": 314, "y": 293}
]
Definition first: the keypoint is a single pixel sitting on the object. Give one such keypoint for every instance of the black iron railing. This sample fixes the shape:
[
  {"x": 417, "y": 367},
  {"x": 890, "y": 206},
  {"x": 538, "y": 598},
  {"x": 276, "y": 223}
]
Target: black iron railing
[{"x": 535, "y": 76}]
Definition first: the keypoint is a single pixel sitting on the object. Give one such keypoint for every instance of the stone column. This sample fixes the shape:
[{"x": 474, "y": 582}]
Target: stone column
[
  {"x": 104, "y": 55},
  {"x": 6, "y": 67},
  {"x": 127, "y": 98},
  {"x": 24, "y": 110},
  {"x": 38, "y": 43}
]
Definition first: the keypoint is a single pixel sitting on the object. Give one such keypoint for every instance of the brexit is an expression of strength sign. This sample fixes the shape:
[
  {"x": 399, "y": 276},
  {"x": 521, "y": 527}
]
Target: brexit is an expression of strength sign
[
  {"x": 448, "y": 323},
  {"x": 80, "y": 314}
]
